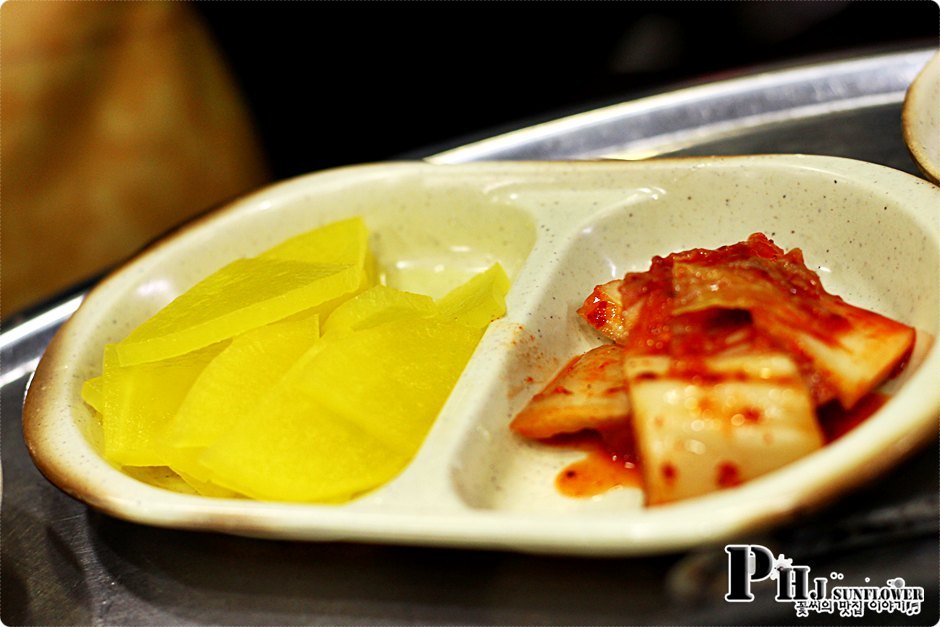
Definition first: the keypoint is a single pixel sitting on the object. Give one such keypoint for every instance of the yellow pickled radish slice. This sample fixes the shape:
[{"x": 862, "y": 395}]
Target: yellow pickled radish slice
[
  {"x": 140, "y": 400},
  {"x": 370, "y": 271},
  {"x": 207, "y": 488},
  {"x": 479, "y": 301},
  {"x": 377, "y": 305},
  {"x": 245, "y": 294},
  {"x": 231, "y": 384},
  {"x": 324, "y": 310},
  {"x": 391, "y": 379},
  {"x": 164, "y": 477},
  {"x": 92, "y": 393},
  {"x": 284, "y": 453},
  {"x": 343, "y": 242},
  {"x": 348, "y": 416},
  {"x": 161, "y": 477}
]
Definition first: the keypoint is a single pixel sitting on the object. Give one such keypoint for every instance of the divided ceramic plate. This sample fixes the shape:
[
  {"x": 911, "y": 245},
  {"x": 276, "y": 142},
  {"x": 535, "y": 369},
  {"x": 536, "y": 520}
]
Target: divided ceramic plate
[
  {"x": 920, "y": 117},
  {"x": 559, "y": 229}
]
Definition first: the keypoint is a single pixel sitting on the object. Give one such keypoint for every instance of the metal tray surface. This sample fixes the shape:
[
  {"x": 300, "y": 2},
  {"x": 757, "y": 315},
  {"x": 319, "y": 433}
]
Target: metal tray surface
[
  {"x": 685, "y": 120},
  {"x": 65, "y": 564}
]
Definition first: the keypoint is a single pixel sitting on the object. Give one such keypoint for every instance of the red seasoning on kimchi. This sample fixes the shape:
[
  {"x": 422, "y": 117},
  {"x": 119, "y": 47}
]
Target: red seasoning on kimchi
[{"x": 721, "y": 365}]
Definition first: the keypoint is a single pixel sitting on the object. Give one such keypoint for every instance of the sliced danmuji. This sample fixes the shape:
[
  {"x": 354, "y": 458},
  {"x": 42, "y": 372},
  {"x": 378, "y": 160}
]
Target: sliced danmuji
[{"x": 292, "y": 375}]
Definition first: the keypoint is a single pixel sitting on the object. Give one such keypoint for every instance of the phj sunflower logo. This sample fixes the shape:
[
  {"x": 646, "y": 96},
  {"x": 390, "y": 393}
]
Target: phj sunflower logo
[{"x": 749, "y": 563}]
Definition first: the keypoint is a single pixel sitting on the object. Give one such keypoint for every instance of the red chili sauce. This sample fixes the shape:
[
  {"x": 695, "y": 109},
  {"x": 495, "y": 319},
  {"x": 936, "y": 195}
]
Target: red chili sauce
[{"x": 610, "y": 463}]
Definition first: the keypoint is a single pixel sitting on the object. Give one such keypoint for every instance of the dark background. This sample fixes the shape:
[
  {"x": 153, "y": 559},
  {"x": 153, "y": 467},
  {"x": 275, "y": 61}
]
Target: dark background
[{"x": 331, "y": 83}]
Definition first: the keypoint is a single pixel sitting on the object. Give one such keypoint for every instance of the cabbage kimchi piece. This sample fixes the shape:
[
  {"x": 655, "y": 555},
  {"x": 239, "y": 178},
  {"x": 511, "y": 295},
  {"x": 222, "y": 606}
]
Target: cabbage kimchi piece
[
  {"x": 731, "y": 419},
  {"x": 588, "y": 393},
  {"x": 603, "y": 310}
]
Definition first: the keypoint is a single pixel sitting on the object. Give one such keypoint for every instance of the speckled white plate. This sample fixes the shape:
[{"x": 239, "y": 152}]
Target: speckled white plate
[
  {"x": 559, "y": 229},
  {"x": 920, "y": 118}
]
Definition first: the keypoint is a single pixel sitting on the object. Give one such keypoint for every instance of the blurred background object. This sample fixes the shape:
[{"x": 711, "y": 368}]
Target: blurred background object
[
  {"x": 343, "y": 82},
  {"x": 120, "y": 120}
]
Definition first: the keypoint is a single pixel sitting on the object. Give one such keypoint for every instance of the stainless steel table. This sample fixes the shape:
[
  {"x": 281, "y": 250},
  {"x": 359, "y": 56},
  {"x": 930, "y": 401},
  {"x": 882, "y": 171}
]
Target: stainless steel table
[{"x": 63, "y": 563}]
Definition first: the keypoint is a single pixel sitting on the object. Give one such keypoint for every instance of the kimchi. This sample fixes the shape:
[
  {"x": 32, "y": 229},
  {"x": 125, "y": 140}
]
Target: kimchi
[{"x": 717, "y": 365}]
